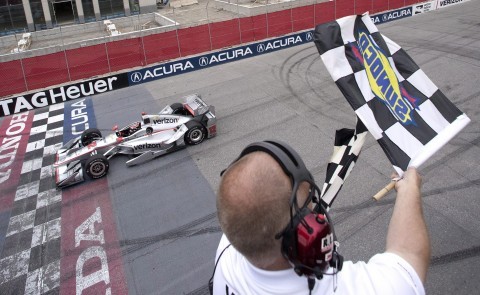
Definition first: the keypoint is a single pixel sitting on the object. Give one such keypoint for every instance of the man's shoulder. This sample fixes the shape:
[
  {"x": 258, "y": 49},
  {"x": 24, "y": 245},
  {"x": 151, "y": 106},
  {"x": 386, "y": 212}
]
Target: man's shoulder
[
  {"x": 385, "y": 271},
  {"x": 381, "y": 261}
]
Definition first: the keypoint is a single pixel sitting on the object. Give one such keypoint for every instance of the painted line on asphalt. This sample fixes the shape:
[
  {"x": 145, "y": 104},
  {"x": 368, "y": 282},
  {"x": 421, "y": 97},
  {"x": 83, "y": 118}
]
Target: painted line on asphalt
[{"x": 91, "y": 259}]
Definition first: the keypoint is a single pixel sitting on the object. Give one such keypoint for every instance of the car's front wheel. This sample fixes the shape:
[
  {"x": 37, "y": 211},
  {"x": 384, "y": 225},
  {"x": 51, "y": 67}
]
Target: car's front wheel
[
  {"x": 90, "y": 135},
  {"x": 195, "y": 134},
  {"x": 96, "y": 166}
]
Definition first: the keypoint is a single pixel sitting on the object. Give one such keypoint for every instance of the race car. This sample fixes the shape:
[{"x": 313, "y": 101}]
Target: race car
[{"x": 173, "y": 128}]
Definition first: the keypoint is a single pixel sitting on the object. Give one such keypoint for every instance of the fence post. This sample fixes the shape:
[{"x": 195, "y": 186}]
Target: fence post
[
  {"x": 141, "y": 39},
  {"x": 23, "y": 73},
  {"x": 239, "y": 25},
  {"x": 143, "y": 48},
  {"x": 141, "y": 36},
  {"x": 208, "y": 23},
  {"x": 335, "y": 10},
  {"x": 65, "y": 55},
  {"x": 266, "y": 18},
  {"x": 106, "y": 52},
  {"x": 176, "y": 32},
  {"x": 291, "y": 16}
]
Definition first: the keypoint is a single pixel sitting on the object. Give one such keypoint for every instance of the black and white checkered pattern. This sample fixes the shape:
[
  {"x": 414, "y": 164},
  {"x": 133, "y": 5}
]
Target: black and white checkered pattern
[
  {"x": 30, "y": 260},
  {"x": 348, "y": 145},
  {"x": 431, "y": 120}
]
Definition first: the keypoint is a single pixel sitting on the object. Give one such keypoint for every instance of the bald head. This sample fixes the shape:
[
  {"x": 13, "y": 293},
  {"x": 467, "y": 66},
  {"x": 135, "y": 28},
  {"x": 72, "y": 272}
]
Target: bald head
[{"x": 253, "y": 205}]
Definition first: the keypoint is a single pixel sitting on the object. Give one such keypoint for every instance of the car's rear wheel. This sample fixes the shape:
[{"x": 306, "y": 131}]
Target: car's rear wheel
[
  {"x": 178, "y": 109},
  {"x": 96, "y": 166},
  {"x": 195, "y": 134},
  {"x": 90, "y": 135}
]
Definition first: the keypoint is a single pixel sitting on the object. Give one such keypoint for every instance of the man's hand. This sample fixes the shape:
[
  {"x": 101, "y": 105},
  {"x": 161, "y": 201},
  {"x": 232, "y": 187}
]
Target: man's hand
[{"x": 410, "y": 180}]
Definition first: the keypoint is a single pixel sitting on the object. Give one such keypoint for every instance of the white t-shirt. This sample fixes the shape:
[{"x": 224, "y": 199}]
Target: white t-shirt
[{"x": 385, "y": 273}]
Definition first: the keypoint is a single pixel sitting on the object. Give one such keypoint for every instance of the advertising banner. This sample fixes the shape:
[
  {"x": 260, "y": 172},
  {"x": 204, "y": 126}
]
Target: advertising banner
[
  {"x": 424, "y": 7},
  {"x": 391, "y": 15},
  {"x": 445, "y": 3},
  {"x": 216, "y": 58},
  {"x": 43, "y": 98}
]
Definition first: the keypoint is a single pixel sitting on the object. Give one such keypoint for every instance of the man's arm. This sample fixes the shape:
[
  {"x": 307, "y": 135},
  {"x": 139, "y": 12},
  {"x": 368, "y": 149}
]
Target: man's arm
[{"x": 407, "y": 233}]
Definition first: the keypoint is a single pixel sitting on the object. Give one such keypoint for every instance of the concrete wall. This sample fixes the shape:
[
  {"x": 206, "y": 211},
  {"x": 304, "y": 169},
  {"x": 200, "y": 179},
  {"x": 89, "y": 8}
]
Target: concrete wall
[
  {"x": 81, "y": 35},
  {"x": 251, "y": 8}
]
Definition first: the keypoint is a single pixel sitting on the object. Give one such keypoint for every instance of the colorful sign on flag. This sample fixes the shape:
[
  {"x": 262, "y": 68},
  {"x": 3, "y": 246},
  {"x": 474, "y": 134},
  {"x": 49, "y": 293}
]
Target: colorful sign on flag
[{"x": 402, "y": 108}]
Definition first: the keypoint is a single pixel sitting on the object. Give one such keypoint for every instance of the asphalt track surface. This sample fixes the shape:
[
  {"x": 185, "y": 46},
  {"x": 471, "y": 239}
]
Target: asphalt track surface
[{"x": 163, "y": 215}]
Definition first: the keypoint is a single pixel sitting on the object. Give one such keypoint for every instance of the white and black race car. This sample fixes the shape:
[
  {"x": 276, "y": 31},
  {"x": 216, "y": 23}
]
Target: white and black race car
[{"x": 173, "y": 128}]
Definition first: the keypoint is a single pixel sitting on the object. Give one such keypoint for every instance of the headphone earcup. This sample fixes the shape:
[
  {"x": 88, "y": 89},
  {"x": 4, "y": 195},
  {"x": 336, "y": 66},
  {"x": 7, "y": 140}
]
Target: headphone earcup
[{"x": 290, "y": 237}]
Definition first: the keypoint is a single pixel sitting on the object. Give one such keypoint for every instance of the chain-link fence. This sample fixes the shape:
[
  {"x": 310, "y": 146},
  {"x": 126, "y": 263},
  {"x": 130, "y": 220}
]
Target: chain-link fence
[{"x": 70, "y": 53}]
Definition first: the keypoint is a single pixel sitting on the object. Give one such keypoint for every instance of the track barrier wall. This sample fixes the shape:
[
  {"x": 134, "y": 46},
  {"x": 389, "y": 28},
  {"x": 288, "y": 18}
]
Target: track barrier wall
[{"x": 26, "y": 75}]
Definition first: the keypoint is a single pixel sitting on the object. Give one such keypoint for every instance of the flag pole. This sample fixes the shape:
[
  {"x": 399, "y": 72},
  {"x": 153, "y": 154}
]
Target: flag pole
[{"x": 384, "y": 190}]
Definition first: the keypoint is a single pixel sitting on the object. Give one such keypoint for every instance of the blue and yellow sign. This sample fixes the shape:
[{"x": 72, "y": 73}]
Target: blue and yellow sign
[{"x": 384, "y": 82}]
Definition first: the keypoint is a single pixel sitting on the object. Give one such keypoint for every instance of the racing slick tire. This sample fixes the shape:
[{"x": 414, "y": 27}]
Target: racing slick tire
[
  {"x": 178, "y": 109},
  {"x": 89, "y": 135},
  {"x": 96, "y": 166},
  {"x": 195, "y": 134}
]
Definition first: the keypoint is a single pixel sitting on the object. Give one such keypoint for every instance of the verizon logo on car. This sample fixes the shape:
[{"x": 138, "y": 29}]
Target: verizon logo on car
[
  {"x": 147, "y": 146},
  {"x": 165, "y": 121}
]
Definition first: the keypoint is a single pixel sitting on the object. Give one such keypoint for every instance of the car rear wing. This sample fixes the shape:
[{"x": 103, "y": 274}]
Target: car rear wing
[{"x": 195, "y": 104}]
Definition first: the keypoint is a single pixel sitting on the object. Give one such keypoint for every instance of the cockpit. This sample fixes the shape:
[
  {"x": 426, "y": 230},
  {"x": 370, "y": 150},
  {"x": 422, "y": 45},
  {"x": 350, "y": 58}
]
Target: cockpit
[{"x": 129, "y": 130}]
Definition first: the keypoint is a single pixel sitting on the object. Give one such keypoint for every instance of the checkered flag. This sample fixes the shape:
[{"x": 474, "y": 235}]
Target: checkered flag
[
  {"x": 348, "y": 144},
  {"x": 404, "y": 111}
]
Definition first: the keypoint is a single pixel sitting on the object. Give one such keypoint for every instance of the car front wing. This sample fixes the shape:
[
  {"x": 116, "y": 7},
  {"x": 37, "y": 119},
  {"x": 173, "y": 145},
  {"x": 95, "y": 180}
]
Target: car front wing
[{"x": 69, "y": 174}]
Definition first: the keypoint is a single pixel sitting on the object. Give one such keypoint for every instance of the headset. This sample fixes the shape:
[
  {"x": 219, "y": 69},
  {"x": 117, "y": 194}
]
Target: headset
[{"x": 308, "y": 240}]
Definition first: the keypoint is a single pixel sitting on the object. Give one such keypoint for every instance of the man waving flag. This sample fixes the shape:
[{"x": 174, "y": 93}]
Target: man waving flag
[{"x": 402, "y": 108}]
